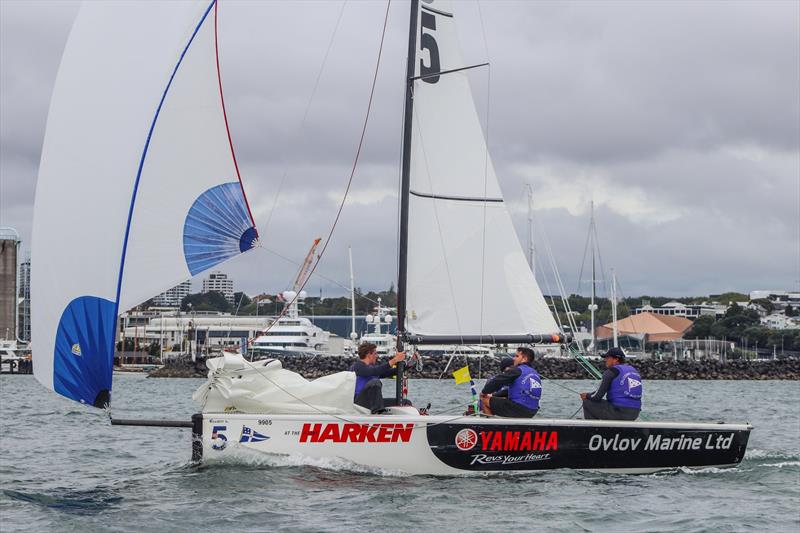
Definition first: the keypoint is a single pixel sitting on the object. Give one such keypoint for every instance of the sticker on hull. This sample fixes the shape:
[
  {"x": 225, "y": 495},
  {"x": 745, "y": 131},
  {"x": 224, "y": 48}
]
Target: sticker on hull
[{"x": 515, "y": 447}]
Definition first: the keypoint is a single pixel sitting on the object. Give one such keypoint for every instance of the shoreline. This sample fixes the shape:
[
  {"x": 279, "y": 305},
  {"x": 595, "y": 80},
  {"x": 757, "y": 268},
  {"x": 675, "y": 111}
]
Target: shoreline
[{"x": 312, "y": 367}]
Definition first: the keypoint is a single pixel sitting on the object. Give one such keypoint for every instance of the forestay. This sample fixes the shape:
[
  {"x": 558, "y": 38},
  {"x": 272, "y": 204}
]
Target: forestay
[
  {"x": 467, "y": 273},
  {"x": 138, "y": 187}
]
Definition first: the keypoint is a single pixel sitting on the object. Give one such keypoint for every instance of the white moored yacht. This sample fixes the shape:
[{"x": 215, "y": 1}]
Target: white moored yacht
[
  {"x": 385, "y": 341},
  {"x": 291, "y": 333}
]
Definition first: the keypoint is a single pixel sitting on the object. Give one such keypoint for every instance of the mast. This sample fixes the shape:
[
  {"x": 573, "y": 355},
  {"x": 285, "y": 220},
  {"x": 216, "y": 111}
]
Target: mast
[
  {"x": 614, "y": 308},
  {"x": 405, "y": 178},
  {"x": 353, "y": 334},
  {"x": 529, "y": 188},
  {"x": 593, "y": 306},
  {"x": 405, "y": 185}
]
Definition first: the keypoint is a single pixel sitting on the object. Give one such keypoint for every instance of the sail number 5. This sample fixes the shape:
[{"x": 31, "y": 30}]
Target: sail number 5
[{"x": 428, "y": 42}]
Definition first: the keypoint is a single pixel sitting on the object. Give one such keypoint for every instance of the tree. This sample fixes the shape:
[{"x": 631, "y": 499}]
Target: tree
[
  {"x": 701, "y": 327},
  {"x": 733, "y": 310},
  {"x": 790, "y": 311},
  {"x": 240, "y": 300},
  {"x": 206, "y": 301},
  {"x": 765, "y": 304},
  {"x": 735, "y": 322}
]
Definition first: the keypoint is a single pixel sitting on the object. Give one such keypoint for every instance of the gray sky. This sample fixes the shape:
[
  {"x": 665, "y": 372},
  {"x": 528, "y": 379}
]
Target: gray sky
[{"x": 681, "y": 120}]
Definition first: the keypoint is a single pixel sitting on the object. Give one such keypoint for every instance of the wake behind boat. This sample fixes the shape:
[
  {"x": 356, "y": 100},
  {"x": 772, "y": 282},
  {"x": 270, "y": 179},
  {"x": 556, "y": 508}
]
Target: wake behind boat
[{"x": 463, "y": 278}]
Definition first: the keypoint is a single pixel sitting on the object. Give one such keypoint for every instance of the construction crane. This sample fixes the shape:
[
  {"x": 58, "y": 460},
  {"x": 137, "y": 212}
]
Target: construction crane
[
  {"x": 296, "y": 296},
  {"x": 302, "y": 274}
]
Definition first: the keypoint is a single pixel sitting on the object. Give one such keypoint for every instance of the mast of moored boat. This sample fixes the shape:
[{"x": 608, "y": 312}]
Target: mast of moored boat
[
  {"x": 593, "y": 305},
  {"x": 353, "y": 334},
  {"x": 614, "y": 308}
]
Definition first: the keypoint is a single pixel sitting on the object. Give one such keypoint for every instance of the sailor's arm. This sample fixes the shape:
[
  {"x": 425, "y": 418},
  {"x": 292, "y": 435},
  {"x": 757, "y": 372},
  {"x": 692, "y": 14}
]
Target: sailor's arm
[
  {"x": 608, "y": 377},
  {"x": 506, "y": 378}
]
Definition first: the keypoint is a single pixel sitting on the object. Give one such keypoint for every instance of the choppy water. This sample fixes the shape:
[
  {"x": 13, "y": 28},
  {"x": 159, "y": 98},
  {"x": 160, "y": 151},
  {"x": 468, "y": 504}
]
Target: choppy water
[{"x": 64, "y": 468}]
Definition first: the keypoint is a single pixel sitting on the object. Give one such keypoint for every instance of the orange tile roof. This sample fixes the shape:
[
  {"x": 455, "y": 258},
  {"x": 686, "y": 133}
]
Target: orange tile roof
[{"x": 657, "y": 327}]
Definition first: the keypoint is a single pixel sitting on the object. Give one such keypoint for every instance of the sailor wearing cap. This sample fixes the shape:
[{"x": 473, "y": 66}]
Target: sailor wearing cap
[
  {"x": 621, "y": 384},
  {"x": 524, "y": 388}
]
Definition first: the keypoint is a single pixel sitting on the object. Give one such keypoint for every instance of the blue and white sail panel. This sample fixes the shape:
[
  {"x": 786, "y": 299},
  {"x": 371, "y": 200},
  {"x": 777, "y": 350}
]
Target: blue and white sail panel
[
  {"x": 189, "y": 213},
  {"x": 217, "y": 228},
  {"x": 467, "y": 273},
  {"x": 119, "y": 59}
]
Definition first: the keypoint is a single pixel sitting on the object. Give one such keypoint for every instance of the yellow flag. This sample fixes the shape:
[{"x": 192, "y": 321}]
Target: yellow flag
[{"x": 462, "y": 375}]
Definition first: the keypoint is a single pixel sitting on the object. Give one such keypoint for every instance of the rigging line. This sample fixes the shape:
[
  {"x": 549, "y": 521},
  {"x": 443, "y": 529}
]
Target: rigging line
[
  {"x": 349, "y": 181},
  {"x": 225, "y": 117},
  {"x": 485, "y": 166},
  {"x": 546, "y": 279},
  {"x": 603, "y": 276},
  {"x": 559, "y": 283},
  {"x": 326, "y": 278},
  {"x": 485, "y": 191},
  {"x": 582, "y": 361},
  {"x": 355, "y": 159},
  {"x": 552, "y": 299},
  {"x": 308, "y": 108}
]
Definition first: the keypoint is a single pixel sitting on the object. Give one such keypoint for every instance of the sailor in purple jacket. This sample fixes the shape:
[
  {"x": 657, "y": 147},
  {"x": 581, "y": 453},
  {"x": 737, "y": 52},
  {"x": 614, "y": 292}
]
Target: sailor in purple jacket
[
  {"x": 368, "y": 392},
  {"x": 621, "y": 384}
]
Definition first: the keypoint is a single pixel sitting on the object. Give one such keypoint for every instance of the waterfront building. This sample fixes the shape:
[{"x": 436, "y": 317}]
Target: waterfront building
[
  {"x": 219, "y": 282},
  {"x": 690, "y": 311},
  {"x": 779, "y": 299},
  {"x": 205, "y": 331},
  {"x": 9, "y": 253},
  {"x": 780, "y": 321},
  {"x": 174, "y": 296},
  {"x": 24, "y": 313}
]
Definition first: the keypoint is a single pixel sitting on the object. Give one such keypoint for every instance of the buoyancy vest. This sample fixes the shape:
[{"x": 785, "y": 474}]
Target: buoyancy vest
[
  {"x": 527, "y": 388},
  {"x": 361, "y": 381},
  {"x": 626, "y": 389}
]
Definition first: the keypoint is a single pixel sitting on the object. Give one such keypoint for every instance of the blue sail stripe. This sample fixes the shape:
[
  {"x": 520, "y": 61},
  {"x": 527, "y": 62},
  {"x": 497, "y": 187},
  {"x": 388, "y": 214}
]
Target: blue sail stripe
[{"x": 89, "y": 322}]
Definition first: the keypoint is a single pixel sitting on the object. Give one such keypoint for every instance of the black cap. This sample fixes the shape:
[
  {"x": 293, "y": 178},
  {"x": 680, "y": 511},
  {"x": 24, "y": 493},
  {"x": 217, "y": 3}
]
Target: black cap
[
  {"x": 506, "y": 362},
  {"x": 615, "y": 352}
]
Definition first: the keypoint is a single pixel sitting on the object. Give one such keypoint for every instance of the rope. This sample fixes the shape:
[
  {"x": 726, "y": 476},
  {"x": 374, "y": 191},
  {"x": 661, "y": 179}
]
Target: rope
[
  {"x": 358, "y": 153},
  {"x": 326, "y": 278},
  {"x": 308, "y": 108},
  {"x": 350, "y": 179}
]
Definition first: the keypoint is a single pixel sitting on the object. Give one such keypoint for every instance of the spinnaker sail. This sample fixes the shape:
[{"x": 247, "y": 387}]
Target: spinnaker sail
[{"x": 138, "y": 186}]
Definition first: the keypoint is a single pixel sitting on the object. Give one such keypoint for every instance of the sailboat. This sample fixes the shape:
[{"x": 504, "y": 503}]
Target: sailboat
[{"x": 462, "y": 278}]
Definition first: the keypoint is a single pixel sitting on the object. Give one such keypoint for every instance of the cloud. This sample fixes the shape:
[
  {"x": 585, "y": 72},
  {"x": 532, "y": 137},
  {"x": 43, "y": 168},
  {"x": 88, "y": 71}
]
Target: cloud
[{"x": 681, "y": 121}]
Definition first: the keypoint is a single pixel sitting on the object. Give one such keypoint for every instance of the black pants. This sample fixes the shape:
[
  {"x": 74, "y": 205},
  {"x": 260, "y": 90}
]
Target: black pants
[
  {"x": 603, "y": 410},
  {"x": 505, "y": 407},
  {"x": 371, "y": 397}
]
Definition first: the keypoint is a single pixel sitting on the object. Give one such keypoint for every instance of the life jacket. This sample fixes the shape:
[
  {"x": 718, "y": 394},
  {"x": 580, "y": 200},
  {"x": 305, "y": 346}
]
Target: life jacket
[
  {"x": 361, "y": 381},
  {"x": 626, "y": 389},
  {"x": 527, "y": 388}
]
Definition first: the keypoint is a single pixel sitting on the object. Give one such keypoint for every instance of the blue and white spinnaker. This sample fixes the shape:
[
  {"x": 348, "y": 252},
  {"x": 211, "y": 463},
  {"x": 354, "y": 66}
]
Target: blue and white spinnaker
[{"x": 138, "y": 186}]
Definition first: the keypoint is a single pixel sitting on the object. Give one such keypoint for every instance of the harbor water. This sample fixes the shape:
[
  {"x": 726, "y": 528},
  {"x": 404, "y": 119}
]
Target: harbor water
[{"x": 64, "y": 468}]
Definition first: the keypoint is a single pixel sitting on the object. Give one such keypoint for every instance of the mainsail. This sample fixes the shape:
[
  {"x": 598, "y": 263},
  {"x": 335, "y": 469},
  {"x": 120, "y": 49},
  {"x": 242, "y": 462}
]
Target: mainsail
[
  {"x": 138, "y": 187},
  {"x": 466, "y": 271}
]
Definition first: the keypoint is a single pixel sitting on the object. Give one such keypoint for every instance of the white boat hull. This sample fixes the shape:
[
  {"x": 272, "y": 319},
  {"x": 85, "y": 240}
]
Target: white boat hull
[{"x": 442, "y": 445}]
